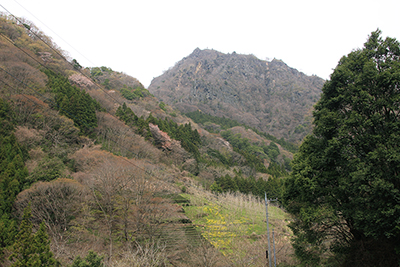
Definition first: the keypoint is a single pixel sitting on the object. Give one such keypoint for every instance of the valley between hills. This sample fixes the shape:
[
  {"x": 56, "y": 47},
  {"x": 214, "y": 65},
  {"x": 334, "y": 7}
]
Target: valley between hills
[
  {"x": 97, "y": 170},
  {"x": 107, "y": 172}
]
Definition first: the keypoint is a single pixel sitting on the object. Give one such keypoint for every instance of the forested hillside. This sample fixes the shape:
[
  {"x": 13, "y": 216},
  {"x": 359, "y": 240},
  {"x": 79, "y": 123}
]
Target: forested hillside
[
  {"x": 266, "y": 95},
  {"x": 95, "y": 171}
]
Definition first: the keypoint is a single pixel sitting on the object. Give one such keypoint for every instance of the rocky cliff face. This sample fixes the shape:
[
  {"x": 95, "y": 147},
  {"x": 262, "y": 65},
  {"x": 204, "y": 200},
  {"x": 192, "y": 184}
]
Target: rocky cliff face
[{"x": 267, "y": 95}]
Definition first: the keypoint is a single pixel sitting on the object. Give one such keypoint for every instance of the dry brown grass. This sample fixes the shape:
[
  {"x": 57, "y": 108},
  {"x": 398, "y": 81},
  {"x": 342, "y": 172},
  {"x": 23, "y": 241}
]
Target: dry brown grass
[{"x": 240, "y": 214}]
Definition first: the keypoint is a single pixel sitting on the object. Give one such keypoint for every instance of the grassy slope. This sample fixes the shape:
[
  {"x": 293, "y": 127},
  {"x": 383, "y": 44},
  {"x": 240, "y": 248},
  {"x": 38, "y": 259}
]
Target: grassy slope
[
  {"x": 226, "y": 225},
  {"x": 236, "y": 225}
]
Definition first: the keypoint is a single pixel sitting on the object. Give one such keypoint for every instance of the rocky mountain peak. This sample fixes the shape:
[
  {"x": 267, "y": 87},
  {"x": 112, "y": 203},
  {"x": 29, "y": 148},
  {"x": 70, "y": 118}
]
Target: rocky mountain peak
[{"x": 270, "y": 96}]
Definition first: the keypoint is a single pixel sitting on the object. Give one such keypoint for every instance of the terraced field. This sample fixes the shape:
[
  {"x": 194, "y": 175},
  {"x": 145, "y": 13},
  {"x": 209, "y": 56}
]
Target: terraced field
[{"x": 235, "y": 224}]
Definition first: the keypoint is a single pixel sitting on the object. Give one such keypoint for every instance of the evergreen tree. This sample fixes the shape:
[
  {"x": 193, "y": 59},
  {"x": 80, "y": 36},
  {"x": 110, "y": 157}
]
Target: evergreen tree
[
  {"x": 72, "y": 102},
  {"x": 251, "y": 184},
  {"x": 260, "y": 188},
  {"x": 228, "y": 184},
  {"x": 31, "y": 249},
  {"x": 344, "y": 190},
  {"x": 190, "y": 139},
  {"x": 24, "y": 248},
  {"x": 8, "y": 231},
  {"x": 215, "y": 187},
  {"x": 5, "y": 118},
  {"x": 13, "y": 172},
  {"x": 91, "y": 260},
  {"x": 42, "y": 242},
  {"x": 47, "y": 170}
]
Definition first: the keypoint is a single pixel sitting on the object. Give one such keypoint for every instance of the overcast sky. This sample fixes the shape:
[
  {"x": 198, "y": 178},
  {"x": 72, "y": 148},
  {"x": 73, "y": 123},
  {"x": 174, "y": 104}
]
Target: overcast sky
[{"x": 144, "y": 38}]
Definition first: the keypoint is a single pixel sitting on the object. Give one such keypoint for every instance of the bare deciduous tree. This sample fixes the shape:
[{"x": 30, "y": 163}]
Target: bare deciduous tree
[
  {"x": 152, "y": 254},
  {"x": 55, "y": 203},
  {"x": 121, "y": 139},
  {"x": 205, "y": 255}
]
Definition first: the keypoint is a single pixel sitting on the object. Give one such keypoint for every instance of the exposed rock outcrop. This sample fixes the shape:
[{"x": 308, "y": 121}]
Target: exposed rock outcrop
[{"x": 269, "y": 96}]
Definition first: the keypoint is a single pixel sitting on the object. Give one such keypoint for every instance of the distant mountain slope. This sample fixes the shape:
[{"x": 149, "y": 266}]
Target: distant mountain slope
[
  {"x": 114, "y": 174},
  {"x": 269, "y": 96}
]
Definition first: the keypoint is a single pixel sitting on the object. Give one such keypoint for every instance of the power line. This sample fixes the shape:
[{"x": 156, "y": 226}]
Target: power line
[
  {"x": 89, "y": 127},
  {"x": 77, "y": 119},
  {"x": 78, "y": 70},
  {"x": 64, "y": 60},
  {"x": 217, "y": 202},
  {"x": 54, "y": 33},
  {"x": 62, "y": 57},
  {"x": 59, "y": 54}
]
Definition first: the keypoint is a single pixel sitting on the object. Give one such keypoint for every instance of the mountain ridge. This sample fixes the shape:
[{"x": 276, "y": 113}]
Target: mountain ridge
[
  {"x": 267, "y": 95},
  {"x": 103, "y": 164}
]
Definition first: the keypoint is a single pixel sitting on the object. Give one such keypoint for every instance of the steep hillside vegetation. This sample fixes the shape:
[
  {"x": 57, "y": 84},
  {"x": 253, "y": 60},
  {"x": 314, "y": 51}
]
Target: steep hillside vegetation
[
  {"x": 93, "y": 167},
  {"x": 269, "y": 96}
]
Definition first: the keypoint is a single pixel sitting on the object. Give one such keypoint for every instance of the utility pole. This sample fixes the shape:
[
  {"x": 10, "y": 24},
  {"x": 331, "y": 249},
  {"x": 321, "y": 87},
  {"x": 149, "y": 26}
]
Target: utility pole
[
  {"x": 273, "y": 242},
  {"x": 269, "y": 243}
]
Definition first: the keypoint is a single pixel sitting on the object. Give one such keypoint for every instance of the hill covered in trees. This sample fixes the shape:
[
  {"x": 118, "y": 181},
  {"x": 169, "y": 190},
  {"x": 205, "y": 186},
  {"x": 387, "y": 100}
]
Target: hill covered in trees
[
  {"x": 95, "y": 170},
  {"x": 266, "y": 95}
]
